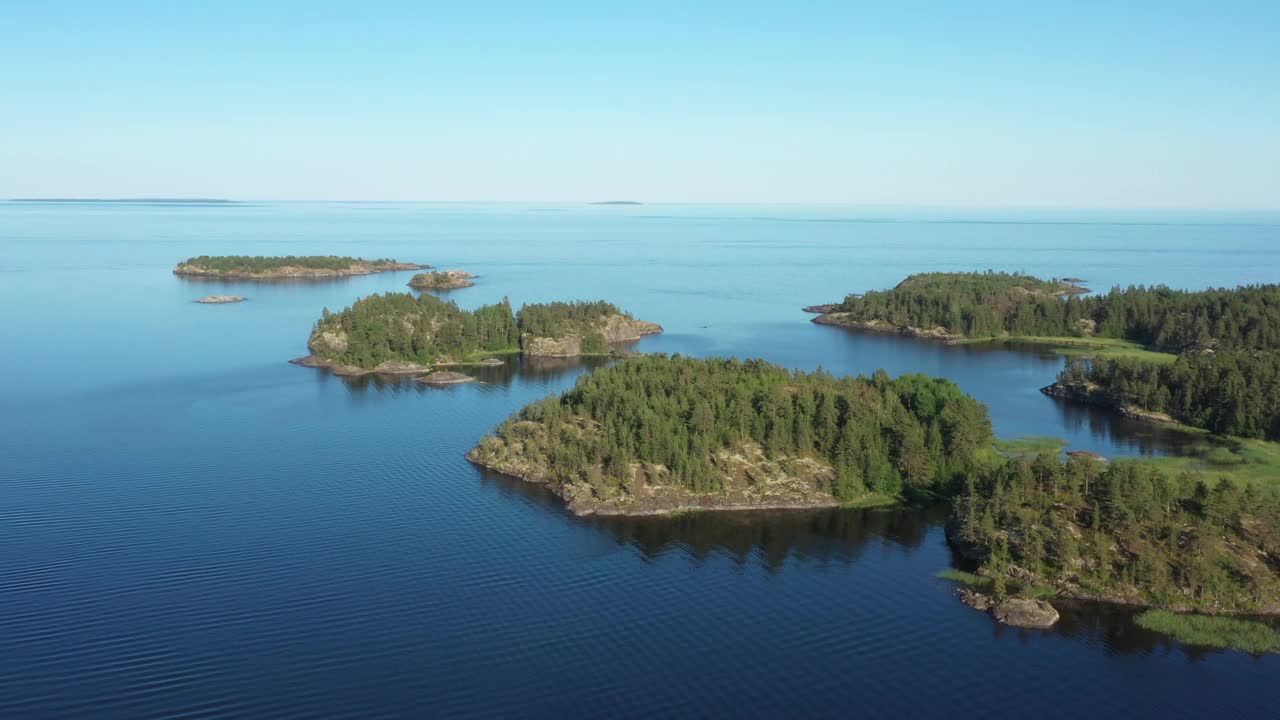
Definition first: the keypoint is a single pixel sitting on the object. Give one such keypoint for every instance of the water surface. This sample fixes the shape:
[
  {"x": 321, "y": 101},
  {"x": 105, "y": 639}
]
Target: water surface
[{"x": 192, "y": 527}]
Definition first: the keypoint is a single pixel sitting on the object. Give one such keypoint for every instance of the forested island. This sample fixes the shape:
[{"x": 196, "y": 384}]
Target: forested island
[
  {"x": 290, "y": 267},
  {"x": 442, "y": 280},
  {"x": 401, "y": 333},
  {"x": 657, "y": 434}
]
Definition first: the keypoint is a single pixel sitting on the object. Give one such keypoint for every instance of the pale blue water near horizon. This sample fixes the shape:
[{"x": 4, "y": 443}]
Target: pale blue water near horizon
[{"x": 192, "y": 527}]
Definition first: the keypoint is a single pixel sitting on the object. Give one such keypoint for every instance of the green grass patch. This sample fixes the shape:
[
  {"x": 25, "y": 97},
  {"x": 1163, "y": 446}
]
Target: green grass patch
[
  {"x": 1235, "y": 459},
  {"x": 1211, "y": 631},
  {"x": 1085, "y": 347},
  {"x": 872, "y": 501},
  {"x": 1030, "y": 446},
  {"x": 984, "y": 584},
  {"x": 475, "y": 358},
  {"x": 964, "y": 578}
]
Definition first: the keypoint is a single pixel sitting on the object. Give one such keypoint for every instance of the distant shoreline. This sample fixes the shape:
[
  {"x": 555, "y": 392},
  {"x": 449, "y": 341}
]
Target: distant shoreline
[{"x": 202, "y": 201}]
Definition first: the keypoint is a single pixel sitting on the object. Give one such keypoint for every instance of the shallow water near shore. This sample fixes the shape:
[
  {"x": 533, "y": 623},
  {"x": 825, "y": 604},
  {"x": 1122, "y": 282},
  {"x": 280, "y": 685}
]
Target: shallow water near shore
[{"x": 193, "y": 527}]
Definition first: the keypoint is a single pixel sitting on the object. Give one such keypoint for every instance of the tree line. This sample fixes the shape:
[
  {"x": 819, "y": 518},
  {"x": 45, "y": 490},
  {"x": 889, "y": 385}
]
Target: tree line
[{"x": 426, "y": 329}]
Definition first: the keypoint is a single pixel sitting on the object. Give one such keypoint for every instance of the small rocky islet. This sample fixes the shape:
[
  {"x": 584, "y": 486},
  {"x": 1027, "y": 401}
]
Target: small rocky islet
[
  {"x": 442, "y": 280},
  {"x": 220, "y": 299}
]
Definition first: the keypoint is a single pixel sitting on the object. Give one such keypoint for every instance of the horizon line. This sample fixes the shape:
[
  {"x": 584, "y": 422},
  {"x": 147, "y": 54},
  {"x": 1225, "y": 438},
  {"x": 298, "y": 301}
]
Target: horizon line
[{"x": 637, "y": 203}]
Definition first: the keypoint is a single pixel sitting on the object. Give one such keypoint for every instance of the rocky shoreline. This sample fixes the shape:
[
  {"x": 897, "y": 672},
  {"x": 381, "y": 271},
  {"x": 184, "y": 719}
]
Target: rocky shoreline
[
  {"x": 614, "y": 328},
  {"x": 841, "y": 319},
  {"x": 395, "y": 367},
  {"x": 751, "y": 483},
  {"x": 290, "y": 272}
]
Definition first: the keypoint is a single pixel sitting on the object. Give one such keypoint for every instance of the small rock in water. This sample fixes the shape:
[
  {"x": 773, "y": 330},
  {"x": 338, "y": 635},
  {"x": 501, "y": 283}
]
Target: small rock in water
[
  {"x": 1025, "y": 613},
  {"x": 444, "y": 377},
  {"x": 1015, "y": 612}
]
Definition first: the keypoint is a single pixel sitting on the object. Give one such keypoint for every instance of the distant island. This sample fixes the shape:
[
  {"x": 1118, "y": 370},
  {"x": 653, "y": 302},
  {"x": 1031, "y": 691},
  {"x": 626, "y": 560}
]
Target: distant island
[
  {"x": 220, "y": 299},
  {"x": 618, "y": 202},
  {"x": 291, "y": 267},
  {"x": 658, "y": 434},
  {"x": 398, "y": 333},
  {"x": 200, "y": 201},
  {"x": 442, "y": 280}
]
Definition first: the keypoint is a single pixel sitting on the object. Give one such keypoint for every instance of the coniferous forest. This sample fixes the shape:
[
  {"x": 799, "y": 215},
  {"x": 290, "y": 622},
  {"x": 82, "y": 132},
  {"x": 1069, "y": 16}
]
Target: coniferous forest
[
  {"x": 909, "y": 435},
  {"x": 1127, "y": 531},
  {"x": 1230, "y": 393}
]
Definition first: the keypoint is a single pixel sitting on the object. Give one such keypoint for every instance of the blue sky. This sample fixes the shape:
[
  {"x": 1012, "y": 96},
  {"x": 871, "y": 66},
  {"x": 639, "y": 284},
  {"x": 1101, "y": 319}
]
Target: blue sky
[{"x": 1080, "y": 104}]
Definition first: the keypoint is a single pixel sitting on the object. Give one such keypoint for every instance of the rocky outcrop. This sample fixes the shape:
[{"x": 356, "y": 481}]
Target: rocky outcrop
[
  {"x": 842, "y": 319},
  {"x": 1025, "y": 613},
  {"x": 1015, "y": 612},
  {"x": 445, "y": 377},
  {"x": 442, "y": 280},
  {"x": 613, "y": 328},
  {"x": 289, "y": 272},
  {"x": 220, "y": 299},
  {"x": 748, "y": 479},
  {"x": 393, "y": 367}
]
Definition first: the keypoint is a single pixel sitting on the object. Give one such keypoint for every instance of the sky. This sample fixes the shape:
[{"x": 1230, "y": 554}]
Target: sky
[{"x": 1084, "y": 104}]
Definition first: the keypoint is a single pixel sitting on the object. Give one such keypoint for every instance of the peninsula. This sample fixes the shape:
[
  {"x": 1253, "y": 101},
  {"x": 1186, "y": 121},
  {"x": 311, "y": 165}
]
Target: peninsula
[
  {"x": 1225, "y": 392},
  {"x": 399, "y": 333},
  {"x": 658, "y": 434},
  {"x": 291, "y": 267},
  {"x": 1152, "y": 323},
  {"x": 442, "y": 280}
]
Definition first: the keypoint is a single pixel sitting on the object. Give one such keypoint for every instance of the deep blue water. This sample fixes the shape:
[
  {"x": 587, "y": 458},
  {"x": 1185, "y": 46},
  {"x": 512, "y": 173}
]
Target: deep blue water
[{"x": 191, "y": 527}]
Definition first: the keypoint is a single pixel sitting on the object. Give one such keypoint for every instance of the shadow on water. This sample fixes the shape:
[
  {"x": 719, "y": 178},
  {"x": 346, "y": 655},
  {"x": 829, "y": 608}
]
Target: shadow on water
[{"x": 769, "y": 537}]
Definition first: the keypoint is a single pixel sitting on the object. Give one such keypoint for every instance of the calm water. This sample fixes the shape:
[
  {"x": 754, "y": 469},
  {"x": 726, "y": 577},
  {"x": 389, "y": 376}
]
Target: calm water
[{"x": 191, "y": 527}]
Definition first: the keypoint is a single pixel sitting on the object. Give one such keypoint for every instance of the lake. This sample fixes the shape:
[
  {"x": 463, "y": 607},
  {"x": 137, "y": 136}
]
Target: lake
[{"x": 193, "y": 527}]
